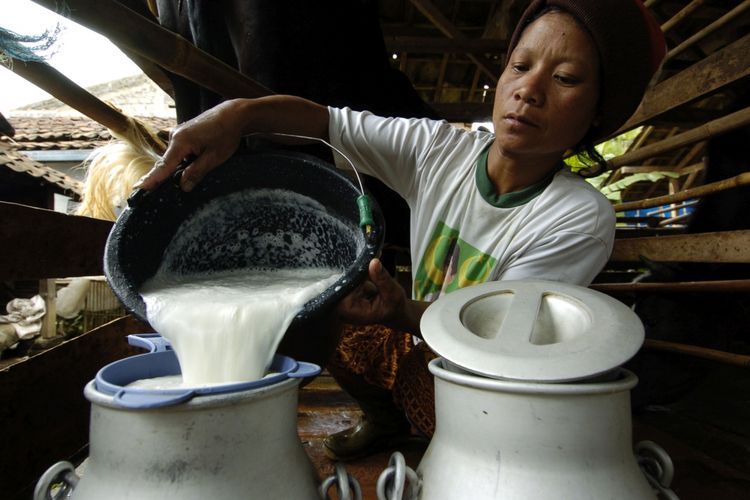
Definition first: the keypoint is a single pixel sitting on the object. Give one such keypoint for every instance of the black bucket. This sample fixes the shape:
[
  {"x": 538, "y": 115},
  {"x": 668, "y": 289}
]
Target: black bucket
[{"x": 248, "y": 235}]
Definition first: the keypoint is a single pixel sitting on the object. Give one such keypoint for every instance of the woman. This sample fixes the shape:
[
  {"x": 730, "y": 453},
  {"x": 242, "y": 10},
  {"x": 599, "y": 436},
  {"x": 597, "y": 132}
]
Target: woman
[{"x": 483, "y": 206}]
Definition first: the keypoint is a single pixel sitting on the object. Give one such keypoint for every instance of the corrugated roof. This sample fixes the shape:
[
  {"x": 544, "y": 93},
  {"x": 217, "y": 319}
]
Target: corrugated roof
[
  {"x": 49, "y": 131},
  {"x": 11, "y": 158}
]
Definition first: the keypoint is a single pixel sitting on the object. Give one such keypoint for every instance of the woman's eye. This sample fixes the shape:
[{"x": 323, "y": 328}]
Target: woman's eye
[
  {"x": 520, "y": 68},
  {"x": 566, "y": 79}
]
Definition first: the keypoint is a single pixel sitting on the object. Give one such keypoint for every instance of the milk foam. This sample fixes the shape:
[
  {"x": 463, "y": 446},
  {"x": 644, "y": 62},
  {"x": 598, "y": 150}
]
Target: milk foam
[
  {"x": 224, "y": 293},
  {"x": 225, "y": 327}
]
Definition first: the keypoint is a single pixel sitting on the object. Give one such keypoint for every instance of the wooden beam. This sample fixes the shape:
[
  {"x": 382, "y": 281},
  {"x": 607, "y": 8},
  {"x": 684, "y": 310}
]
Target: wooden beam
[
  {"x": 726, "y": 247},
  {"x": 682, "y": 15},
  {"x": 718, "y": 24},
  {"x": 39, "y": 243},
  {"x": 433, "y": 14},
  {"x": 713, "y": 73},
  {"x": 44, "y": 411},
  {"x": 699, "y": 352},
  {"x": 715, "y": 286},
  {"x": 129, "y": 30},
  {"x": 464, "y": 112},
  {"x": 435, "y": 45},
  {"x": 713, "y": 128},
  {"x": 62, "y": 88},
  {"x": 696, "y": 192}
]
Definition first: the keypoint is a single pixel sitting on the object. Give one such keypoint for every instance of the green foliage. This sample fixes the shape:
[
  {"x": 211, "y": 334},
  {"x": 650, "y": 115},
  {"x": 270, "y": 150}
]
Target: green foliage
[
  {"x": 614, "y": 191},
  {"x": 613, "y": 148},
  {"x": 608, "y": 149}
]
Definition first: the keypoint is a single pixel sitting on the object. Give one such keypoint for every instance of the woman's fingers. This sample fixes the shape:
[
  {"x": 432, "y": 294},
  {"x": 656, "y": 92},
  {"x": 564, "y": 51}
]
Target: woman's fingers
[{"x": 378, "y": 299}]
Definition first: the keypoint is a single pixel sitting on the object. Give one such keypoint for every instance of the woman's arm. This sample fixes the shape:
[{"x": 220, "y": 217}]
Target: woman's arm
[{"x": 213, "y": 136}]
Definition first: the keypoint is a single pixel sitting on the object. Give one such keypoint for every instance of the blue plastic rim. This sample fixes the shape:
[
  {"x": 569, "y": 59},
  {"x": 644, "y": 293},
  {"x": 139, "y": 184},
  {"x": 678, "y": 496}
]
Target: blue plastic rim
[{"x": 162, "y": 362}]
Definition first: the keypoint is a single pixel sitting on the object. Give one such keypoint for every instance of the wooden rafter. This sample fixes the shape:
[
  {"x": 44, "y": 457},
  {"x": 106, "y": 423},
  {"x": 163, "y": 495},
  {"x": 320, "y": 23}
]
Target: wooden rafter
[
  {"x": 62, "y": 88},
  {"x": 137, "y": 33},
  {"x": 436, "y": 17},
  {"x": 719, "y": 70}
]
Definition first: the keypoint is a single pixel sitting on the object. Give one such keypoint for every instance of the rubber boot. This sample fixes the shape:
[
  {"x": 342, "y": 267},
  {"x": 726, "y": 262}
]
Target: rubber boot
[{"x": 383, "y": 425}]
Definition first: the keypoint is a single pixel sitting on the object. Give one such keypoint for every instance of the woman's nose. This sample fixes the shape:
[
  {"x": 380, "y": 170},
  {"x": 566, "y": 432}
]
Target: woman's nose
[{"x": 530, "y": 91}]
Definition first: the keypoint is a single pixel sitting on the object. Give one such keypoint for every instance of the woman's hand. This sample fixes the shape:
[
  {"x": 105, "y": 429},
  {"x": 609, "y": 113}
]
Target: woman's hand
[
  {"x": 381, "y": 299},
  {"x": 211, "y": 137}
]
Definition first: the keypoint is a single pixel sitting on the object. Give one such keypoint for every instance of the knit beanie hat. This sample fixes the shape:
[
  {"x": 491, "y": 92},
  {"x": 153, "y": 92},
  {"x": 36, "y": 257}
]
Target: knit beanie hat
[{"x": 631, "y": 48}]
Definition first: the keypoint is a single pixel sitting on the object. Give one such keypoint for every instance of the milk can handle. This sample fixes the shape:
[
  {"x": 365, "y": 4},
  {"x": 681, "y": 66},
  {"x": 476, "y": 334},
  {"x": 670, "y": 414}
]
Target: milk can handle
[
  {"x": 62, "y": 473},
  {"x": 152, "y": 342},
  {"x": 346, "y": 485},
  {"x": 304, "y": 370},
  {"x": 658, "y": 468},
  {"x": 390, "y": 485}
]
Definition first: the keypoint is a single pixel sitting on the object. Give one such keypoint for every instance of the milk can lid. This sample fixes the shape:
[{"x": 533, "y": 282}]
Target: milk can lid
[{"x": 532, "y": 330}]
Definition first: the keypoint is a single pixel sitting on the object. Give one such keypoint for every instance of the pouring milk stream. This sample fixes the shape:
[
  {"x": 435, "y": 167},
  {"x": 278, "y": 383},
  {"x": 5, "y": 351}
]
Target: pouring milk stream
[{"x": 225, "y": 326}]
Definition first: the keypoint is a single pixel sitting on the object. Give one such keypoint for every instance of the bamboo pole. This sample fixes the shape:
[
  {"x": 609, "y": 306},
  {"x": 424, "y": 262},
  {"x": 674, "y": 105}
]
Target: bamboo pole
[
  {"x": 719, "y": 23},
  {"x": 713, "y": 128},
  {"x": 682, "y": 15},
  {"x": 61, "y": 87},
  {"x": 716, "y": 286},
  {"x": 742, "y": 179},
  {"x": 699, "y": 352},
  {"x": 674, "y": 208},
  {"x": 138, "y": 34}
]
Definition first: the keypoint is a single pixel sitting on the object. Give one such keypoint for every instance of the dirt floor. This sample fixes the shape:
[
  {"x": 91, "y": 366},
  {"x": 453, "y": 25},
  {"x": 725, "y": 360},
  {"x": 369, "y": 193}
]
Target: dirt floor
[{"x": 707, "y": 435}]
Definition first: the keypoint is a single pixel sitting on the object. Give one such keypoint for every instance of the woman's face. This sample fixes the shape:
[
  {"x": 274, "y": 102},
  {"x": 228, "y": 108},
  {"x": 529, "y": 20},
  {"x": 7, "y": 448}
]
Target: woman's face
[{"x": 547, "y": 95}]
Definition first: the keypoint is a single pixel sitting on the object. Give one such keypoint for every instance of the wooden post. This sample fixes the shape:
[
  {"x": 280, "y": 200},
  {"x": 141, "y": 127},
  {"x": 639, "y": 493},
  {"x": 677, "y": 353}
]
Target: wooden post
[{"x": 48, "y": 292}]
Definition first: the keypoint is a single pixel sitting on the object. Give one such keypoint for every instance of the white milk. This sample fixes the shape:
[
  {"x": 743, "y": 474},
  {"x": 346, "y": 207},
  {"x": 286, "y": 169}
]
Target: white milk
[{"x": 225, "y": 327}]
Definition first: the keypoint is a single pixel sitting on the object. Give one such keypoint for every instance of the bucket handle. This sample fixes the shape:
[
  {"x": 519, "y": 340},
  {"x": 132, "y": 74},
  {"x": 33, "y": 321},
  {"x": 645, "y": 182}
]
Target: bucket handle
[
  {"x": 141, "y": 400},
  {"x": 304, "y": 370},
  {"x": 364, "y": 204},
  {"x": 62, "y": 473},
  {"x": 152, "y": 342}
]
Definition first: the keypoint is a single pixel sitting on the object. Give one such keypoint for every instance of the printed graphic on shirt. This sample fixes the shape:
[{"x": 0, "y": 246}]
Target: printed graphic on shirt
[{"x": 449, "y": 263}]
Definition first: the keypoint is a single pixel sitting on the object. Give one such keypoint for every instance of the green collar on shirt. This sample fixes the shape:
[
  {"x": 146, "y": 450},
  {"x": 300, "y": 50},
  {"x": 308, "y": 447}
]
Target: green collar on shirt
[{"x": 508, "y": 200}]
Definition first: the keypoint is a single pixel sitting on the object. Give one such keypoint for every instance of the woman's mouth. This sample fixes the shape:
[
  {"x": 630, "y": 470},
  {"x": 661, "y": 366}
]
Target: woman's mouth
[{"x": 514, "y": 119}]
